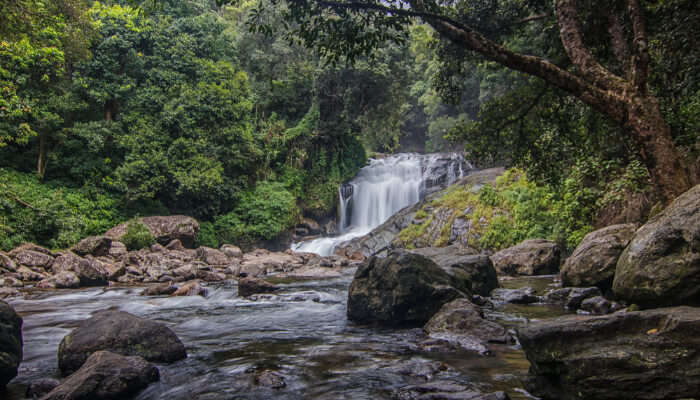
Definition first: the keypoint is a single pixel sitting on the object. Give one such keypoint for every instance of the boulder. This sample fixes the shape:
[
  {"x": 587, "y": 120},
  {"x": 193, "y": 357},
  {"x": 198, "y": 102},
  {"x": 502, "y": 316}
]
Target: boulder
[
  {"x": 106, "y": 376},
  {"x": 594, "y": 260},
  {"x": 250, "y": 286},
  {"x": 193, "y": 288},
  {"x": 117, "y": 250},
  {"x": 7, "y": 263},
  {"x": 29, "y": 275},
  {"x": 175, "y": 245},
  {"x": 403, "y": 289},
  {"x": 578, "y": 295},
  {"x": 531, "y": 257},
  {"x": 97, "y": 246},
  {"x": 478, "y": 269},
  {"x": 212, "y": 256},
  {"x": 463, "y": 323},
  {"x": 524, "y": 295},
  {"x": 270, "y": 379},
  {"x": 10, "y": 282},
  {"x": 599, "y": 305},
  {"x": 31, "y": 258},
  {"x": 159, "y": 290},
  {"x": 61, "y": 280},
  {"x": 122, "y": 333},
  {"x": 30, "y": 247},
  {"x": 40, "y": 387},
  {"x": 661, "y": 265},
  {"x": 187, "y": 272},
  {"x": 165, "y": 229},
  {"x": 641, "y": 355},
  {"x": 10, "y": 343},
  {"x": 232, "y": 251},
  {"x": 89, "y": 270},
  {"x": 6, "y": 293}
]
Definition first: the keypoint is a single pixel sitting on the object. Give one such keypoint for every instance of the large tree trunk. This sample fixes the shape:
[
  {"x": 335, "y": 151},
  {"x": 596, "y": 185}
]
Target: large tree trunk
[
  {"x": 42, "y": 160},
  {"x": 652, "y": 135}
]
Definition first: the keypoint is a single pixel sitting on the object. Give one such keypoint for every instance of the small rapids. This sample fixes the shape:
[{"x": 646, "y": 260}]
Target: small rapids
[{"x": 301, "y": 333}]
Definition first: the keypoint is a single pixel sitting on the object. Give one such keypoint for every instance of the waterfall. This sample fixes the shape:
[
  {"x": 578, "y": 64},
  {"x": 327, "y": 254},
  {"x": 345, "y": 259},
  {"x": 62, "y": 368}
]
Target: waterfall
[{"x": 383, "y": 188}]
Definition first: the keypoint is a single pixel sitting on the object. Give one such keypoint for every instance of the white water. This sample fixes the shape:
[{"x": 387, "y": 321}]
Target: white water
[{"x": 380, "y": 190}]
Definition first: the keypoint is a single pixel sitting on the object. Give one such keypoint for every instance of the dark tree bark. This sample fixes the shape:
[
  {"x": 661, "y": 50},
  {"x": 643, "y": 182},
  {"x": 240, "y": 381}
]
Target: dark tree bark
[{"x": 626, "y": 101}]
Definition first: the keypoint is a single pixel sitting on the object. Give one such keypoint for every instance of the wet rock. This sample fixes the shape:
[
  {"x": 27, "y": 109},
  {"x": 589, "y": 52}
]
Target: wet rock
[
  {"x": 175, "y": 245},
  {"x": 445, "y": 390},
  {"x": 159, "y": 290},
  {"x": 114, "y": 271},
  {"x": 599, "y": 305},
  {"x": 594, "y": 260},
  {"x": 106, "y": 376},
  {"x": 463, "y": 323},
  {"x": 88, "y": 270},
  {"x": 40, "y": 387},
  {"x": 7, "y": 263},
  {"x": 10, "y": 343},
  {"x": 250, "y": 286},
  {"x": 165, "y": 229},
  {"x": 578, "y": 295},
  {"x": 193, "y": 288},
  {"x": 6, "y": 292},
  {"x": 121, "y": 333},
  {"x": 402, "y": 289},
  {"x": 232, "y": 251},
  {"x": 29, "y": 275},
  {"x": 10, "y": 282},
  {"x": 117, "y": 250},
  {"x": 31, "y": 258},
  {"x": 158, "y": 248},
  {"x": 212, "y": 256},
  {"x": 187, "y": 272},
  {"x": 94, "y": 245},
  {"x": 557, "y": 296},
  {"x": 478, "y": 269},
  {"x": 61, "y": 280},
  {"x": 211, "y": 276},
  {"x": 639, "y": 355},
  {"x": 661, "y": 265},
  {"x": 531, "y": 257},
  {"x": 524, "y": 295},
  {"x": 270, "y": 379}
]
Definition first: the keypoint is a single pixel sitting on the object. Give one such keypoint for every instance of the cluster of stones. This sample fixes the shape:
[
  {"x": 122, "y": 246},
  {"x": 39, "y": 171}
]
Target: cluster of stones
[
  {"x": 104, "y": 260},
  {"x": 619, "y": 353}
]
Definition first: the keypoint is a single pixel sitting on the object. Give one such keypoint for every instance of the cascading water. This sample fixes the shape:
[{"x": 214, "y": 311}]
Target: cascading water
[{"x": 383, "y": 188}]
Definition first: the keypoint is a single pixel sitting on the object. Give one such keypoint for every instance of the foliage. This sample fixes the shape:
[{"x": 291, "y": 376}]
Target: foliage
[
  {"x": 137, "y": 236},
  {"x": 50, "y": 214}
]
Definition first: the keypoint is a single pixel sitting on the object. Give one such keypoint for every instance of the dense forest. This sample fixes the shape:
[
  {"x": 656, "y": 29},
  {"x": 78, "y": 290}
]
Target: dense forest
[{"x": 247, "y": 116}]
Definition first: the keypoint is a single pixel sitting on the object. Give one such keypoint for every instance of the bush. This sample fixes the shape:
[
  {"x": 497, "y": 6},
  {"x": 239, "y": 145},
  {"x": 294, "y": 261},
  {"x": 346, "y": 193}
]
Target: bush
[{"x": 137, "y": 236}]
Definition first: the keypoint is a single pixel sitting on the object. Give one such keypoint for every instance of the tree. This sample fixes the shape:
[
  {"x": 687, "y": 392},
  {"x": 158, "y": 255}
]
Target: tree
[{"x": 616, "y": 86}]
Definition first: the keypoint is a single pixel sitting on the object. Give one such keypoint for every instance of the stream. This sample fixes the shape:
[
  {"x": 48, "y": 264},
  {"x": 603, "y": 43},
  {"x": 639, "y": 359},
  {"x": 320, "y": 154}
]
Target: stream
[{"x": 301, "y": 333}]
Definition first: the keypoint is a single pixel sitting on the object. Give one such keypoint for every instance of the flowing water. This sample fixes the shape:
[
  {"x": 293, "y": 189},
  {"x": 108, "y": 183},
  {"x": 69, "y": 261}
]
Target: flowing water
[
  {"x": 302, "y": 333},
  {"x": 384, "y": 187}
]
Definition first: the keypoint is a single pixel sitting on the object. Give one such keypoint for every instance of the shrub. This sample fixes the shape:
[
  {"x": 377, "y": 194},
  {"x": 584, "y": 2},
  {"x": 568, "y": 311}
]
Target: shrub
[{"x": 137, "y": 236}]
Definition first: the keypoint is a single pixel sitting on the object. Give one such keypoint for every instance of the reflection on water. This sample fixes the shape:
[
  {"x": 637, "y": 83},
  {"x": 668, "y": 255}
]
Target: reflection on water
[{"x": 305, "y": 338}]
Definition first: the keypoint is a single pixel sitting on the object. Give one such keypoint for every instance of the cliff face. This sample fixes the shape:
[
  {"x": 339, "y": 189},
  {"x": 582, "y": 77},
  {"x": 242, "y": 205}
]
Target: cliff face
[{"x": 437, "y": 220}]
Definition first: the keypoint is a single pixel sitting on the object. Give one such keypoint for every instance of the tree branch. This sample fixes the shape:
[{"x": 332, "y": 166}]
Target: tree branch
[
  {"x": 640, "y": 58},
  {"x": 572, "y": 38},
  {"x": 619, "y": 44}
]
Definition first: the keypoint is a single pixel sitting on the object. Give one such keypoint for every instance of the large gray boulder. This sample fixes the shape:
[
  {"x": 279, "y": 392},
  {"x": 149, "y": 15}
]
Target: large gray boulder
[
  {"x": 106, "y": 376},
  {"x": 661, "y": 265},
  {"x": 463, "y": 323},
  {"x": 10, "y": 343},
  {"x": 463, "y": 262},
  {"x": 403, "y": 289},
  {"x": 531, "y": 257},
  {"x": 88, "y": 270},
  {"x": 641, "y": 355},
  {"x": 121, "y": 333},
  {"x": 94, "y": 245},
  {"x": 165, "y": 229},
  {"x": 594, "y": 260}
]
